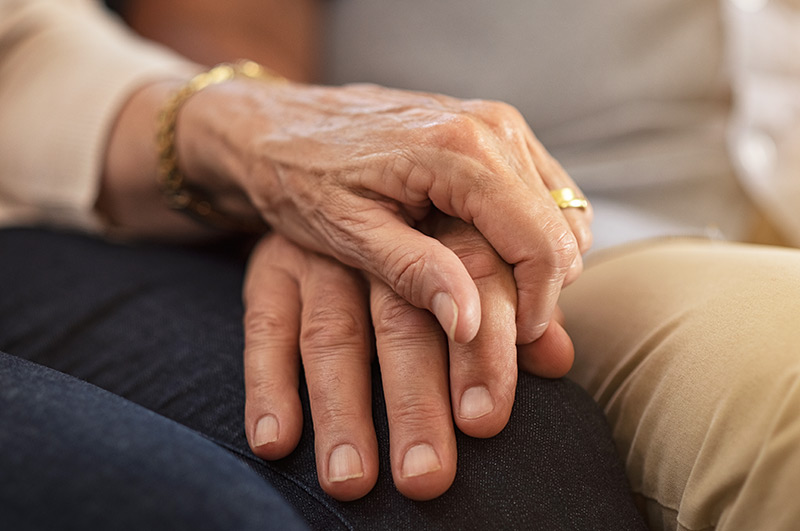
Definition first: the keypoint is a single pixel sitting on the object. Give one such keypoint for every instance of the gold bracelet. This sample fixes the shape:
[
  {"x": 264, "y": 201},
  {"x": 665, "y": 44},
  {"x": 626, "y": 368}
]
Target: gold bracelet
[{"x": 171, "y": 180}]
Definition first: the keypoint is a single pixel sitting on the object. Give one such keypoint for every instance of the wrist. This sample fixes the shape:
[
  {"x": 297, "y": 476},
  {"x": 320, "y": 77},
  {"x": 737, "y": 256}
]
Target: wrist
[
  {"x": 207, "y": 156},
  {"x": 201, "y": 163},
  {"x": 129, "y": 198}
]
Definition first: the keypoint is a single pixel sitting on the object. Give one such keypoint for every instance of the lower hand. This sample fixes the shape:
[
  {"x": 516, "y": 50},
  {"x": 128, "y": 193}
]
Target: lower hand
[{"x": 300, "y": 301}]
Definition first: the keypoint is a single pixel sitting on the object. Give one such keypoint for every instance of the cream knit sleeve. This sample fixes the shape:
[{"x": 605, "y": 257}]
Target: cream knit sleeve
[{"x": 66, "y": 68}]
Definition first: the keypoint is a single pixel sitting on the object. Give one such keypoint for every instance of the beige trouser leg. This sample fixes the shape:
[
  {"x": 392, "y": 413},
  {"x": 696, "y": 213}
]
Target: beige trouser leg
[{"x": 693, "y": 350}]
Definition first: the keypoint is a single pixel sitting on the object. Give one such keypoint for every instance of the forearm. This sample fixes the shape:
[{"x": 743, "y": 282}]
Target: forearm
[
  {"x": 132, "y": 196},
  {"x": 277, "y": 33},
  {"x": 130, "y": 199}
]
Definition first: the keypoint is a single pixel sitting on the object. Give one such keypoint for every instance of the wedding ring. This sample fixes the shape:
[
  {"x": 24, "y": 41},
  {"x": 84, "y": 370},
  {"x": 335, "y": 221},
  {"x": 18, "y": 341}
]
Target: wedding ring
[{"x": 566, "y": 198}]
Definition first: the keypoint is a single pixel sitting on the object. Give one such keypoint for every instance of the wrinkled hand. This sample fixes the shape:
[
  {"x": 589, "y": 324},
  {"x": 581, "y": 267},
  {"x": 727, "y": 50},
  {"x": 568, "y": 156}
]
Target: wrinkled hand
[
  {"x": 351, "y": 171},
  {"x": 297, "y": 300}
]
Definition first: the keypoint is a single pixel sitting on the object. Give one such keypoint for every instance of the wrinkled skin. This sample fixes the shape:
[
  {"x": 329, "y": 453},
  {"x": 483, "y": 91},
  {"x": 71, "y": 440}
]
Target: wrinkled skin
[
  {"x": 300, "y": 304},
  {"x": 351, "y": 171}
]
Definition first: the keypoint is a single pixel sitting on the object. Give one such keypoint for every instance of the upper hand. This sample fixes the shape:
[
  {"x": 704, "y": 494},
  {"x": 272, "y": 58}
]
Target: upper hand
[{"x": 351, "y": 171}]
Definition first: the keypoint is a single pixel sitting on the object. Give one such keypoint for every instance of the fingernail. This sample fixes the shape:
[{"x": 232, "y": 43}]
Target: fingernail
[
  {"x": 420, "y": 460},
  {"x": 266, "y": 430},
  {"x": 446, "y": 312},
  {"x": 344, "y": 463},
  {"x": 475, "y": 403}
]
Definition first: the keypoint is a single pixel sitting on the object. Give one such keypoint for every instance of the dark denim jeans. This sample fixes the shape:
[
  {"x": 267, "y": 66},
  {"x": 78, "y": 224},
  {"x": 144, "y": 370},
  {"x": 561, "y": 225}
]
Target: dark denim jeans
[{"x": 121, "y": 407}]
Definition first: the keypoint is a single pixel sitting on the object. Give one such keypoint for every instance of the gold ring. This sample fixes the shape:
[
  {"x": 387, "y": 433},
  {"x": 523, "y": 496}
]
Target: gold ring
[{"x": 566, "y": 198}]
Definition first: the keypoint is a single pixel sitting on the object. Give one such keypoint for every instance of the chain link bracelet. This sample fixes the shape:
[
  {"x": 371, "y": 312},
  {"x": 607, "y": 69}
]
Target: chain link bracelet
[{"x": 172, "y": 183}]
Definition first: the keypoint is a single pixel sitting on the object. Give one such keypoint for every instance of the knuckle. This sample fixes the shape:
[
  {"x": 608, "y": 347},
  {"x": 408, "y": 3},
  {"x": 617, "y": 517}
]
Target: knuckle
[
  {"x": 562, "y": 247},
  {"x": 459, "y": 131},
  {"x": 263, "y": 323},
  {"x": 482, "y": 263},
  {"x": 405, "y": 165},
  {"x": 477, "y": 255},
  {"x": 331, "y": 411},
  {"x": 261, "y": 390},
  {"x": 418, "y": 411},
  {"x": 497, "y": 113},
  {"x": 406, "y": 270},
  {"x": 328, "y": 328},
  {"x": 395, "y": 316}
]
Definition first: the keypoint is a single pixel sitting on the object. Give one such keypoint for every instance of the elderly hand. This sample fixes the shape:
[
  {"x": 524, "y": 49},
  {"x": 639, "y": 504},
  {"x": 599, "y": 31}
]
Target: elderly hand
[
  {"x": 297, "y": 300},
  {"x": 351, "y": 171}
]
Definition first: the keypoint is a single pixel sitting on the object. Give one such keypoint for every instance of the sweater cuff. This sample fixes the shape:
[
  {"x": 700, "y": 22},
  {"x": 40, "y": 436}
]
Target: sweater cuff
[{"x": 68, "y": 70}]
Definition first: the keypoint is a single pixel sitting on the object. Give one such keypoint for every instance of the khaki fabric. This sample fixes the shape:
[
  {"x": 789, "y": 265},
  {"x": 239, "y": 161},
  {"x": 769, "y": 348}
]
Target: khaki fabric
[
  {"x": 675, "y": 117},
  {"x": 693, "y": 350}
]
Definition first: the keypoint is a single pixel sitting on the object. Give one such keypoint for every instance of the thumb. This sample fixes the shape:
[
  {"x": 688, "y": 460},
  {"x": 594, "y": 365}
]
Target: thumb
[
  {"x": 421, "y": 270},
  {"x": 550, "y": 356}
]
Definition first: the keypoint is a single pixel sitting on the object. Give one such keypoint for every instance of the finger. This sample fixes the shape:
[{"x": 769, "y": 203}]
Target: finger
[
  {"x": 418, "y": 267},
  {"x": 541, "y": 255},
  {"x": 551, "y": 356},
  {"x": 556, "y": 178},
  {"x": 483, "y": 372},
  {"x": 559, "y": 317},
  {"x": 553, "y": 176},
  {"x": 413, "y": 359},
  {"x": 522, "y": 223},
  {"x": 273, "y": 415},
  {"x": 335, "y": 343},
  {"x": 492, "y": 356},
  {"x": 530, "y": 160},
  {"x": 574, "y": 270}
]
